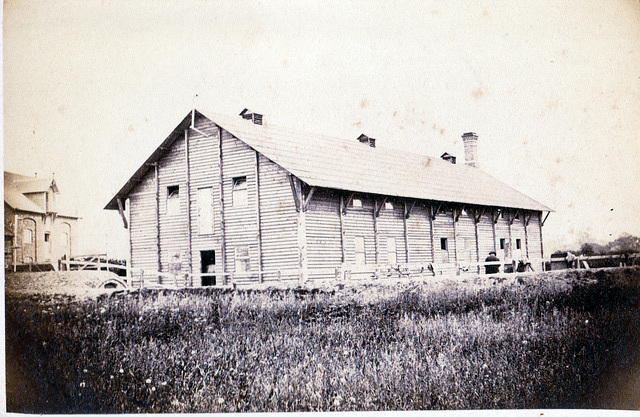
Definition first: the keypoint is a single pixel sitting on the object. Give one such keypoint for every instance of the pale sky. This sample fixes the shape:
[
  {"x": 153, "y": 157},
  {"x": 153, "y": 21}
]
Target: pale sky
[{"x": 552, "y": 88}]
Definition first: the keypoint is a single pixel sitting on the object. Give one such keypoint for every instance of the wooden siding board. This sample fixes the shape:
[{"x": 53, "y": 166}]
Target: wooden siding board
[
  {"x": 466, "y": 239},
  {"x": 485, "y": 236},
  {"x": 278, "y": 220},
  {"x": 359, "y": 222},
  {"x": 418, "y": 234},
  {"x": 323, "y": 232},
  {"x": 391, "y": 225},
  {"x": 443, "y": 228}
]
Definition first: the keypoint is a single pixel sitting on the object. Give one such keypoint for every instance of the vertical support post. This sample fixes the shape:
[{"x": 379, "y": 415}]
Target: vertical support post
[
  {"x": 509, "y": 221},
  {"x": 526, "y": 237},
  {"x": 302, "y": 235},
  {"x": 223, "y": 245},
  {"x": 493, "y": 230},
  {"x": 455, "y": 239},
  {"x": 342, "y": 231},
  {"x": 187, "y": 174},
  {"x": 375, "y": 230},
  {"x": 406, "y": 237},
  {"x": 432, "y": 216},
  {"x": 258, "y": 223},
  {"x": 541, "y": 245},
  {"x": 475, "y": 223},
  {"x": 157, "y": 217}
]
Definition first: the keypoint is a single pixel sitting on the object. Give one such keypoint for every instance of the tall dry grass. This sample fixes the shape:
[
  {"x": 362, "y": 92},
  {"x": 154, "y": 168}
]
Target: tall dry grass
[{"x": 540, "y": 341}]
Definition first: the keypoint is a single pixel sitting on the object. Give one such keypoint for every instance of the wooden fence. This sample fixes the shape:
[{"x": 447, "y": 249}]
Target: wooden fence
[{"x": 141, "y": 278}]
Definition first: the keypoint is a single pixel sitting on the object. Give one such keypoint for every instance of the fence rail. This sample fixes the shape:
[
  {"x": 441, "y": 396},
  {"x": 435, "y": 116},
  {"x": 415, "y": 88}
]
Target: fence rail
[{"x": 144, "y": 278}]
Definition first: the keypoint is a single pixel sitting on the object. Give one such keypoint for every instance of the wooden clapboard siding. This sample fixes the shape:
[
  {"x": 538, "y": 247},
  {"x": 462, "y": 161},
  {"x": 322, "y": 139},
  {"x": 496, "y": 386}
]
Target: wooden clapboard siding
[
  {"x": 443, "y": 228},
  {"x": 485, "y": 236},
  {"x": 241, "y": 227},
  {"x": 278, "y": 220},
  {"x": 323, "y": 234},
  {"x": 466, "y": 239},
  {"x": 502, "y": 232},
  {"x": 533, "y": 234},
  {"x": 173, "y": 227},
  {"x": 391, "y": 225},
  {"x": 204, "y": 173},
  {"x": 358, "y": 221},
  {"x": 142, "y": 224},
  {"x": 418, "y": 232},
  {"x": 517, "y": 232}
]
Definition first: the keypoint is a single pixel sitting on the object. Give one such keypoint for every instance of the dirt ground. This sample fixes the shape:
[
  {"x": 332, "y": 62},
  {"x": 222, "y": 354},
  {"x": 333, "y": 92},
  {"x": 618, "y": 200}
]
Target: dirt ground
[{"x": 81, "y": 284}]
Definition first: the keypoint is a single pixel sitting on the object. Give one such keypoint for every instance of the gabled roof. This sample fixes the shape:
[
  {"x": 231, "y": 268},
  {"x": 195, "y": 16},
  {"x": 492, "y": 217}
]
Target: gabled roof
[
  {"x": 16, "y": 186},
  {"x": 28, "y": 185},
  {"x": 16, "y": 200},
  {"x": 348, "y": 165}
]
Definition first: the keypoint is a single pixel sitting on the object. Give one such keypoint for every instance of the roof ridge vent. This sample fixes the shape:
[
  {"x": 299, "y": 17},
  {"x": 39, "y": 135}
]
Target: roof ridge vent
[
  {"x": 366, "y": 139},
  {"x": 448, "y": 157},
  {"x": 249, "y": 115}
]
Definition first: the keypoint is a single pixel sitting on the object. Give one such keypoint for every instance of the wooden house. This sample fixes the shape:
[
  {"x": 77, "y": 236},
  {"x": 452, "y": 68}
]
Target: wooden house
[
  {"x": 238, "y": 196},
  {"x": 38, "y": 228}
]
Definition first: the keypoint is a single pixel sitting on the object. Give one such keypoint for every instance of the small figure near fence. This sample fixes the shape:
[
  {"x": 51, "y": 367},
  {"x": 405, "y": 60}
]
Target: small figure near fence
[{"x": 492, "y": 269}]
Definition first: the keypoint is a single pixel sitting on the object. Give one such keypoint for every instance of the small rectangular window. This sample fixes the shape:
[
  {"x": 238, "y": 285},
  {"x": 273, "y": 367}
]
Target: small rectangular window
[
  {"x": 173, "y": 200},
  {"x": 47, "y": 237},
  {"x": 502, "y": 243},
  {"x": 205, "y": 211},
  {"x": 359, "y": 250},
  {"x": 356, "y": 202},
  {"x": 242, "y": 259},
  {"x": 443, "y": 243},
  {"x": 518, "y": 244},
  {"x": 240, "y": 193}
]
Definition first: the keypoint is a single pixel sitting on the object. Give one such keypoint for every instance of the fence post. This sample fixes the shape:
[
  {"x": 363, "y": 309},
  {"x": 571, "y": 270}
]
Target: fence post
[{"x": 141, "y": 278}]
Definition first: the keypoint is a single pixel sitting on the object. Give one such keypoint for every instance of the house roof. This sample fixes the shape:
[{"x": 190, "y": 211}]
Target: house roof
[
  {"x": 349, "y": 165},
  {"x": 16, "y": 186},
  {"x": 28, "y": 184},
  {"x": 14, "y": 198}
]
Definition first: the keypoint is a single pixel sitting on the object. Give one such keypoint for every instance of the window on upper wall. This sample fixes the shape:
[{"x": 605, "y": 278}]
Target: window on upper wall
[
  {"x": 240, "y": 192},
  {"x": 242, "y": 259},
  {"x": 443, "y": 243},
  {"x": 27, "y": 236},
  {"x": 502, "y": 243},
  {"x": 173, "y": 200},
  {"x": 356, "y": 202},
  {"x": 205, "y": 211},
  {"x": 518, "y": 244},
  {"x": 360, "y": 255}
]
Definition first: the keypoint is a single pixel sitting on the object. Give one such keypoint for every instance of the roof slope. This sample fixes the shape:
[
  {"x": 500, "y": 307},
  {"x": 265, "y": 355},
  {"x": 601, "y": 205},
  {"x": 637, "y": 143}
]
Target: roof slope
[
  {"x": 16, "y": 200},
  {"x": 16, "y": 186},
  {"x": 328, "y": 162}
]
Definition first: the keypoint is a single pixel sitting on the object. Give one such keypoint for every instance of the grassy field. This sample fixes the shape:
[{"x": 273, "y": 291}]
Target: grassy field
[{"x": 550, "y": 340}]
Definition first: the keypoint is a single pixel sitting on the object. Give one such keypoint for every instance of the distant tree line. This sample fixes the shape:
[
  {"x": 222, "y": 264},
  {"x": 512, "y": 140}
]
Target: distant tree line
[{"x": 626, "y": 243}]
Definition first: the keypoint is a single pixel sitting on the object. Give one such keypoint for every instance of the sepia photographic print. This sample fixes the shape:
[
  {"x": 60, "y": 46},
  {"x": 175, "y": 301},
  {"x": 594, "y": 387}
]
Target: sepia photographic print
[{"x": 278, "y": 206}]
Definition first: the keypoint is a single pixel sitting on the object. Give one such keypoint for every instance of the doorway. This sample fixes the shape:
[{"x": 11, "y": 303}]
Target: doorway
[{"x": 207, "y": 266}]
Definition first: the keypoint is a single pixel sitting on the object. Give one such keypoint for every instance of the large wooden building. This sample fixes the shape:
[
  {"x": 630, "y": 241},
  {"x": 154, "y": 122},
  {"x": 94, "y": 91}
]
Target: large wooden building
[{"x": 236, "y": 195}]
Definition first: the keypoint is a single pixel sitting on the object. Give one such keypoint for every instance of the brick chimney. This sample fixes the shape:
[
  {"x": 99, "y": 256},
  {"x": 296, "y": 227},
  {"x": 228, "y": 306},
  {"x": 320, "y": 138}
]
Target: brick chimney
[{"x": 470, "y": 141}]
